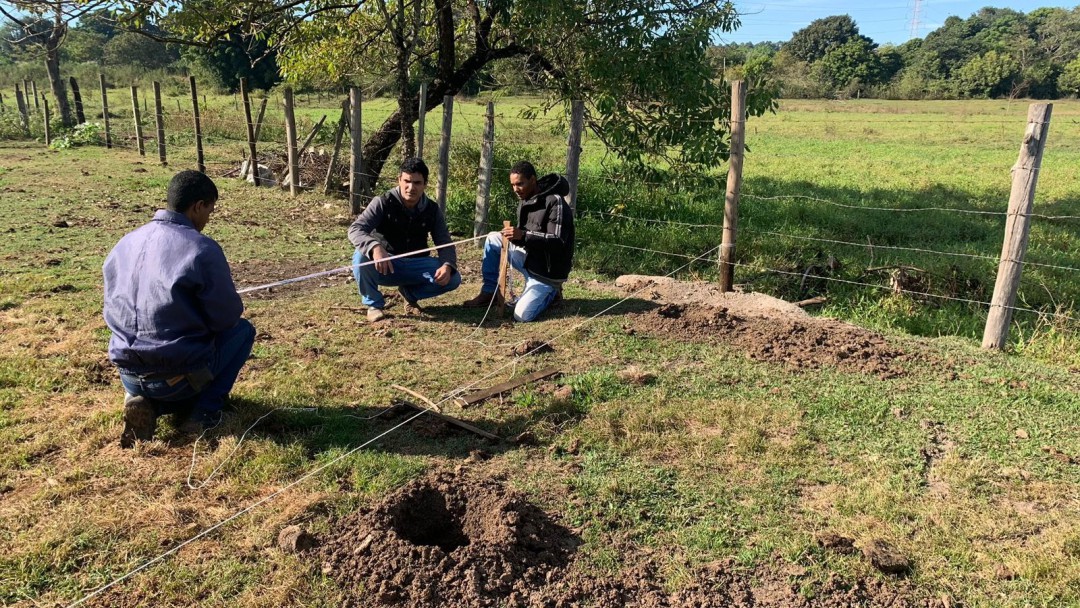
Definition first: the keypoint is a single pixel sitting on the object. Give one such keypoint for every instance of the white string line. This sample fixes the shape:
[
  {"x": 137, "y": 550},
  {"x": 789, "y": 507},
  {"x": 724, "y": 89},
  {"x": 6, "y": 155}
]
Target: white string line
[
  {"x": 350, "y": 267},
  {"x": 323, "y": 467},
  {"x": 948, "y": 209}
]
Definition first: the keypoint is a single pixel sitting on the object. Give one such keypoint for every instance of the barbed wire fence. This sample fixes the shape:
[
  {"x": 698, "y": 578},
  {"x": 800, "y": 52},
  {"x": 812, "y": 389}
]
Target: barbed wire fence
[{"x": 619, "y": 209}]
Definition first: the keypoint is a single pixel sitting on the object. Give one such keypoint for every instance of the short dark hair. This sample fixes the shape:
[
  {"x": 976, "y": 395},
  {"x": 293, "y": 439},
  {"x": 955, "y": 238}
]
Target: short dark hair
[
  {"x": 415, "y": 165},
  {"x": 523, "y": 168},
  {"x": 189, "y": 187}
]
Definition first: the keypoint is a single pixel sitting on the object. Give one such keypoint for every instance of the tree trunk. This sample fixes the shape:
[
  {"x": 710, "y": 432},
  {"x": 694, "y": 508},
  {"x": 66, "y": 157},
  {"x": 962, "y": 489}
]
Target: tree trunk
[{"x": 56, "y": 83}]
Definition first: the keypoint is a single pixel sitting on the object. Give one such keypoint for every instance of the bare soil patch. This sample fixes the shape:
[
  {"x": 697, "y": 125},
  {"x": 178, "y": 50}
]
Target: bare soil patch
[
  {"x": 766, "y": 328},
  {"x": 456, "y": 540}
]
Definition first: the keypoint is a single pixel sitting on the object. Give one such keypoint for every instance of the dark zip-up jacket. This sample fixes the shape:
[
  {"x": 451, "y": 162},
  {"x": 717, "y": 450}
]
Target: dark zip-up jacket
[
  {"x": 387, "y": 222},
  {"x": 548, "y": 223}
]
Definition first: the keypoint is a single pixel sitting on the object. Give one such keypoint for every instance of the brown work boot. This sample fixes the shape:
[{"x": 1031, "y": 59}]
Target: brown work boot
[
  {"x": 411, "y": 308},
  {"x": 140, "y": 421},
  {"x": 483, "y": 300},
  {"x": 375, "y": 314}
]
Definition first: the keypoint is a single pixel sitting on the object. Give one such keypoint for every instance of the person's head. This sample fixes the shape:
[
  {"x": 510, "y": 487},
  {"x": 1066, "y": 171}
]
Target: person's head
[
  {"x": 412, "y": 180},
  {"x": 523, "y": 179},
  {"x": 194, "y": 195}
]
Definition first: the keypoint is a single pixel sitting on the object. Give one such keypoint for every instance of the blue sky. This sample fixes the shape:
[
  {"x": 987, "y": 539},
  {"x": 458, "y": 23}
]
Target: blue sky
[{"x": 884, "y": 21}]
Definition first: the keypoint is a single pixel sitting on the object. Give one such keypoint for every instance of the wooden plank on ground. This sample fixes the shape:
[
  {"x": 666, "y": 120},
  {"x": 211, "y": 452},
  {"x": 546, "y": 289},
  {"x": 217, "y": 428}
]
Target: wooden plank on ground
[
  {"x": 454, "y": 421},
  {"x": 478, "y": 396}
]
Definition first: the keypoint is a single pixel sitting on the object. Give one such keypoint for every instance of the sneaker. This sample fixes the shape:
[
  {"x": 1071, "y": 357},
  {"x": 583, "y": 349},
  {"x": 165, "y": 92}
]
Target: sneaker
[
  {"x": 412, "y": 308},
  {"x": 140, "y": 421},
  {"x": 483, "y": 300},
  {"x": 375, "y": 315}
]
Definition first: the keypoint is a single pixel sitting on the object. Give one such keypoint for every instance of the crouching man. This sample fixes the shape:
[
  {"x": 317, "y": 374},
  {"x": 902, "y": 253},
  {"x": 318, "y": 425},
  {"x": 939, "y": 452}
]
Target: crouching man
[
  {"x": 177, "y": 335},
  {"x": 397, "y": 223},
  {"x": 541, "y": 243}
]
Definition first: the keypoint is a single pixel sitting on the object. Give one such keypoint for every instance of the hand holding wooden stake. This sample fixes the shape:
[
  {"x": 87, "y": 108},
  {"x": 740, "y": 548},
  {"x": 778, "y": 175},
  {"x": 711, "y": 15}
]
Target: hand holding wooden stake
[{"x": 504, "y": 262}]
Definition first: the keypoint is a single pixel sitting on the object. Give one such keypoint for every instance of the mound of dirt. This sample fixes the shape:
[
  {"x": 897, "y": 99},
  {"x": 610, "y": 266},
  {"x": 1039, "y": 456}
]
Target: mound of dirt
[
  {"x": 453, "y": 540},
  {"x": 446, "y": 541}
]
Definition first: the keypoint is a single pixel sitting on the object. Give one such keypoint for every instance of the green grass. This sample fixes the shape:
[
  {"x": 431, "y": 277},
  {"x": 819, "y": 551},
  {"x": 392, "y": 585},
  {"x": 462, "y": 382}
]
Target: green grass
[{"x": 720, "y": 457}]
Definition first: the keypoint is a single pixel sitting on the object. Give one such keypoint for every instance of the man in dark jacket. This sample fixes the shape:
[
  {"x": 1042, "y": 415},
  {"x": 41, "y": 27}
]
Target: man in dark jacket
[
  {"x": 177, "y": 334},
  {"x": 541, "y": 243},
  {"x": 399, "y": 222}
]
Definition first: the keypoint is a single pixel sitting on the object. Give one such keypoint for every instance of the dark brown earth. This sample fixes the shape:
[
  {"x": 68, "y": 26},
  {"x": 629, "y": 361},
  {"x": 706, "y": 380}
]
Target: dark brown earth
[
  {"x": 454, "y": 540},
  {"x": 802, "y": 343}
]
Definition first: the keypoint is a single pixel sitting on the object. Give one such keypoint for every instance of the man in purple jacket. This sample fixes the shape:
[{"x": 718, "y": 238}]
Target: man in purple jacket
[{"x": 177, "y": 335}]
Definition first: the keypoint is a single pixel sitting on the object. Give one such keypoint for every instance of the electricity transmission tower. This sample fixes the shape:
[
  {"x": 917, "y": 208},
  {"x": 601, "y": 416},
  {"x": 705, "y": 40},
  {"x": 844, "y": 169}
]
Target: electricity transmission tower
[{"x": 915, "y": 19}]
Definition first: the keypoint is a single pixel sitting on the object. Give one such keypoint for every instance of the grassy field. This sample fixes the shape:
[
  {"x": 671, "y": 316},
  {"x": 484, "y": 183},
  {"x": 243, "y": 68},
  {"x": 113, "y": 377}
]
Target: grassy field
[{"x": 721, "y": 457}]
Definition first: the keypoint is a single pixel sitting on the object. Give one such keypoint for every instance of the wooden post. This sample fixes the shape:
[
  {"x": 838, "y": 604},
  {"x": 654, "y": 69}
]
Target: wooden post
[
  {"x": 254, "y": 162},
  {"x": 80, "y": 115},
  {"x": 45, "y": 102},
  {"x": 138, "y": 119},
  {"x": 504, "y": 268},
  {"x": 356, "y": 185},
  {"x": 259, "y": 120},
  {"x": 105, "y": 110},
  {"x": 24, "y": 112},
  {"x": 1025, "y": 174},
  {"x": 33, "y": 83},
  {"x": 159, "y": 117},
  {"x": 734, "y": 184},
  {"x": 200, "y": 160},
  {"x": 420, "y": 120},
  {"x": 179, "y": 110},
  {"x": 444, "y": 149},
  {"x": 2, "y": 109},
  {"x": 290, "y": 143},
  {"x": 573, "y": 150},
  {"x": 338, "y": 133},
  {"x": 483, "y": 174}
]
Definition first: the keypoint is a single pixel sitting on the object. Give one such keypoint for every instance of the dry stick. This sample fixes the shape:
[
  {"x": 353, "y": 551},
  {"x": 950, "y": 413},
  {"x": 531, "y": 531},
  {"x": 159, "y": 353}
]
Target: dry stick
[
  {"x": 408, "y": 391},
  {"x": 105, "y": 110},
  {"x": 159, "y": 118},
  {"x": 1025, "y": 175},
  {"x": 290, "y": 143},
  {"x": 259, "y": 120},
  {"x": 483, "y": 174},
  {"x": 420, "y": 120},
  {"x": 254, "y": 162},
  {"x": 138, "y": 118},
  {"x": 307, "y": 142},
  {"x": 80, "y": 115},
  {"x": 200, "y": 160},
  {"x": 338, "y": 133},
  {"x": 573, "y": 150},
  {"x": 504, "y": 263},
  {"x": 444, "y": 149},
  {"x": 45, "y": 101},
  {"x": 355, "y": 159},
  {"x": 734, "y": 183}
]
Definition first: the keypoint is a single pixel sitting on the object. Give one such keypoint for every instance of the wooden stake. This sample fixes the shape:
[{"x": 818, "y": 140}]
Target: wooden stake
[
  {"x": 105, "y": 110},
  {"x": 23, "y": 110},
  {"x": 509, "y": 385},
  {"x": 338, "y": 133},
  {"x": 420, "y": 120},
  {"x": 734, "y": 184},
  {"x": 483, "y": 175},
  {"x": 159, "y": 118},
  {"x": 290, "y": 143},
  {"x": 444, "y": 149},
  {"x": 45, "y": 101},
  {"x": 573, "y": 150},
  {"x": 80, "y": 115},
  {"x": 1025, "y": 174},
  {"x": 200, "y": 160},
  {"x": 504, "y": 267},
  {"x": 138, "y": 119},
  {"x": 259, "y": 120},
  {"x": 307, "y": 142},
  {"x": 33, "y": 83},
  {"x": 253, "y": 164},
  {"x": 356, "y": 186}
]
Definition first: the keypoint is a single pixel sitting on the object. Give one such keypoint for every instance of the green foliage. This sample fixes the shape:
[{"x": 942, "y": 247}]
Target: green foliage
[
  {"x": 814, "y": 41},
  {"x": 990, "y": 75},
  {"x": 1069, "y": 81},
  {"x": 851, "y": 61},
  {"x": 85, "y": 134},
  {"x": 233, "y": 57},
  {"x": 130, "y": 48}
]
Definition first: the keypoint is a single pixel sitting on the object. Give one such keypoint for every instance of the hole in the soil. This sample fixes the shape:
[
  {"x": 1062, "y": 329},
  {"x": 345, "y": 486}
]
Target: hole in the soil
[{"x": 425, "y": 519}]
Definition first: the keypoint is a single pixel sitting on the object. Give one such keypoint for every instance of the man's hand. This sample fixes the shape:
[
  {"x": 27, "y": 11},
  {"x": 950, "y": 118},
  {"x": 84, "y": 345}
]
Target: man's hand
[
  {"x": 442, "y": 275},
  {"x": 382, "y": 265},
  {"x": 514, "y": 234}
]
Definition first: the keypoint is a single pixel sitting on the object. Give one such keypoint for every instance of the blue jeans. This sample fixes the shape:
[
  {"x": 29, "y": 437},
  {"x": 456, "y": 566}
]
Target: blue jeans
[
  {"x": 415, "y": 276},
  {"x": 232, "y": 348},
  {"x": 537, "y": 294}
]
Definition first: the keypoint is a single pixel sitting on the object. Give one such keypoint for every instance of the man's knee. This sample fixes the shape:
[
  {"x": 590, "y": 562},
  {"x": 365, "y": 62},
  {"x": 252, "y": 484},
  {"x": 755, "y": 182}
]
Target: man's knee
[
  {"x": 526, "y": 314},
  {"x": 494, "y": 239},
  {"x": 455, "y": 281},
  {"x": 247, "y": 329}
]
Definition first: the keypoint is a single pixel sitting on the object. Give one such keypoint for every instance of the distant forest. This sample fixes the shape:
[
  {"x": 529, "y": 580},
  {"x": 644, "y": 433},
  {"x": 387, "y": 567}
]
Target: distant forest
[{"x": 994, "y": 53}]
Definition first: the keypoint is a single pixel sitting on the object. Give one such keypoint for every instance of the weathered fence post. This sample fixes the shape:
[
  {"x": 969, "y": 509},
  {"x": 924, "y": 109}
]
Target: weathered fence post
[
  {"x": 138, "y": 121},
  {"x": 2, "y": 109},
  {"x": 1025, "y": 175},
  {"x": 200, "y": 160},
  {"x": 338, "y": 133},
  {"x": 356, "y": 184},
  {"x": 420, "y": 121},
  {"x": 259, "y": 120},
  {"x": 105, "y": 110},
  {"x": 33, "y": 83},
  {"x": 734, "y": 184},
  {"x": 290, "y": 143},
  {"x": 573, "y": 150},
  {"x": 45, "y": 102},
  {"x": 444, "y": 149},
  {"x": 253, "y": 164},
  {"x": 24, "y": 111},
  {"x": 80, "y": 115},
  {"x": 483, "y": 174},
  {"x": 159, "y": 118}
]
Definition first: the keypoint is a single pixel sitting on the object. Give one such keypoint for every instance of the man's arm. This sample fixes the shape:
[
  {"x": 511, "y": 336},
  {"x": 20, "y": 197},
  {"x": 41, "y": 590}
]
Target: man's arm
[
  {"x": 221, "y": 304},
  {"x": 366, "y": 223},
  {"x": 440, "y": 235}
]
